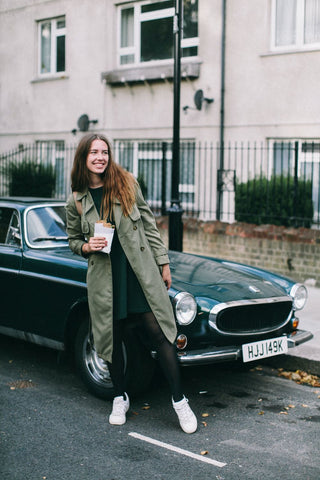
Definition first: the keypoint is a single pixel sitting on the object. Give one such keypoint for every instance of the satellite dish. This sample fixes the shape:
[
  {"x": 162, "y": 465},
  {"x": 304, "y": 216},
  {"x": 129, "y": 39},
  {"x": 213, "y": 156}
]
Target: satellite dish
[
  {"x": 83, "y": 123},
  {"x": 199, "y": 98}
]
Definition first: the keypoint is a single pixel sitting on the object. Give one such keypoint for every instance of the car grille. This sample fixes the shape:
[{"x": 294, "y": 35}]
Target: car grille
[{"x": 246, "y": 317}]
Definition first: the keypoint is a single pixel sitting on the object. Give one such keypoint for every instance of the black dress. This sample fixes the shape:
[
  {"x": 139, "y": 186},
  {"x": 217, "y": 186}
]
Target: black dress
[{"x": 128, "y": 297}]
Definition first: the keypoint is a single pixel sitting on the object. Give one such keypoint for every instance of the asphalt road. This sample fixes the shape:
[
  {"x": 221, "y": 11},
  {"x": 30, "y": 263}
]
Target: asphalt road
[{"x": 257, "y": 425}]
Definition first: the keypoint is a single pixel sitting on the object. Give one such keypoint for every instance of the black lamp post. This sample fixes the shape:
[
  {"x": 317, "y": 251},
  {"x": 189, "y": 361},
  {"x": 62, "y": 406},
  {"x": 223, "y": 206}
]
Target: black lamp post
[{"x": 175, "y": 211}]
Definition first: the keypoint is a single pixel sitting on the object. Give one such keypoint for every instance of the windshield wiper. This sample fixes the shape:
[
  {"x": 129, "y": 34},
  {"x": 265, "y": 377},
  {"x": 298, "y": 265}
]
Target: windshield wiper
[{"x": 50, "y": 238}]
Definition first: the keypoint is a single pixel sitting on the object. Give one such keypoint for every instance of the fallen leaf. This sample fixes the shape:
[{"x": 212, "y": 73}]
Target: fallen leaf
[
  {"x": 205, "y": 415},
  {"x": 300, "y": 376},
  {"x": 21, "y": 384},
  {"x": 285, "y": 374},
  {"x": 261, "y": 412},
  {"x": 283, "y": 413},
  {"x": 305, "y": 406},
  {"x": 291, "y": 406},
  {"x": 204, "y": 452},
  {"x": 204, "y": 424},
  {"x": 146, "y": 407},
  {"x": 296, "y": 377}
]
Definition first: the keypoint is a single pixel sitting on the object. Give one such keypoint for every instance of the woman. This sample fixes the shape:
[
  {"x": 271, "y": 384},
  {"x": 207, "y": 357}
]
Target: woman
[{"x": 128, "y": 280}]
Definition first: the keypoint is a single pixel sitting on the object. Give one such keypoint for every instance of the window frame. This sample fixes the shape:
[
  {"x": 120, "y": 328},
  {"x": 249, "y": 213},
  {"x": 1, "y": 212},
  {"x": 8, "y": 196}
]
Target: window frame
[
  {"x": 299, "y": 44},
  {"x": 148, "y": 150},
  {"x": 53, "y": 152},
  {"x": 307, "y": 157},
  {"x": 55, "y": 33},
  {"x": 138, "y": 18}
]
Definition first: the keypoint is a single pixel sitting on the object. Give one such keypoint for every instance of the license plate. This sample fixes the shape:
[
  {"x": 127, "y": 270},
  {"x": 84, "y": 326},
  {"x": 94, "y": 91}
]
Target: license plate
[{"x": 264, "y": 348}]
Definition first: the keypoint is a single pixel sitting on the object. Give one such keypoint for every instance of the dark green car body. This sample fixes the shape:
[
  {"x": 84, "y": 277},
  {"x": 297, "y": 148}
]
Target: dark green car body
[{"x": 44, "y": 299}]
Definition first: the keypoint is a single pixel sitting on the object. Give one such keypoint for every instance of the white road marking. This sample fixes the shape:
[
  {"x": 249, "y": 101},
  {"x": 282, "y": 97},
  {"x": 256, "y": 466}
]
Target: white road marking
[{"x": 177, "y": 449}]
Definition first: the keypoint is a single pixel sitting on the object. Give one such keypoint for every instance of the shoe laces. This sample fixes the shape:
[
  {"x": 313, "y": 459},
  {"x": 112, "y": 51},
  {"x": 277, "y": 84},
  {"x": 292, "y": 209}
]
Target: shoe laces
[
  {"x": 119, "y": 406},
  {"x": 184, "y": 410}
]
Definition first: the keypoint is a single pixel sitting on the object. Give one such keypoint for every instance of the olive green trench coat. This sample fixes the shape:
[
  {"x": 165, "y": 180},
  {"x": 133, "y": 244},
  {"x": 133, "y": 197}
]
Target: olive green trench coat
[{"x": 145, "y": 251}]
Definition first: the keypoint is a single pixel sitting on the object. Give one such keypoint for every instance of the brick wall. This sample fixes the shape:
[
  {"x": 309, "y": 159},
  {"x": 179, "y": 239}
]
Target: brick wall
[{"x": 294, "y": 253}]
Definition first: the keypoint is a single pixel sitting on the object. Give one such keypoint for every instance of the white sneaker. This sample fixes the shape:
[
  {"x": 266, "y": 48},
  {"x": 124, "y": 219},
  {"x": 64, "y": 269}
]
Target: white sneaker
[
  {"x": 119, "y": 409},
  {"x": 187, "y": 419}
]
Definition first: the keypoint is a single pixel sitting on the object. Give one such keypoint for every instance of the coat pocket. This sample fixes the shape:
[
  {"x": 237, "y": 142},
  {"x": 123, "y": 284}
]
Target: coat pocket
[{"x": 85, "y": 226}]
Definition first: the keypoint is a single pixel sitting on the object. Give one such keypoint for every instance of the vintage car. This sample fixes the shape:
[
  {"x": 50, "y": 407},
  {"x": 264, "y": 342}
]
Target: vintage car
[{"x": 224, "y": 310}]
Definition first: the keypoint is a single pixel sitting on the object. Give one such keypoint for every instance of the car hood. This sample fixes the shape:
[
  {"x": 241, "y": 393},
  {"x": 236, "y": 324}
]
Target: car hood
[{"x": 204, "y": 277}]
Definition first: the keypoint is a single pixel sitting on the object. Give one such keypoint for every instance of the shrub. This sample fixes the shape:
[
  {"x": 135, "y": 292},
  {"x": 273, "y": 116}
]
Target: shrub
[
  {"x": 276, "y": 201},
  {"x": 31, "y": 179}
]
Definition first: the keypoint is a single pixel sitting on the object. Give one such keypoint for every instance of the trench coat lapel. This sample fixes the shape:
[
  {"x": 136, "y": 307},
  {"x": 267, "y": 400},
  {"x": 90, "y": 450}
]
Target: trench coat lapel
[{"x": 88, "y": 205}]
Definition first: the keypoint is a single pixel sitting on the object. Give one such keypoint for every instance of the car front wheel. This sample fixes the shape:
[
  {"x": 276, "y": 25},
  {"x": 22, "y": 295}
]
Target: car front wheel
[{"x": 94, "y": 372}]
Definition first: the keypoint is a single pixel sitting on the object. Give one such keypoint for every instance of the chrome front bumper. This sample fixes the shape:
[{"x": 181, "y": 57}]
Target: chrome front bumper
[{"x": 225, "y": 354}]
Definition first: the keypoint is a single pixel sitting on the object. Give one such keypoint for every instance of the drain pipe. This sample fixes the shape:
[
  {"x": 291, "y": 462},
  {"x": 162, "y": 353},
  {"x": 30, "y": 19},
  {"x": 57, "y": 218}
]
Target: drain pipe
[{"x": 222, "y": 93}]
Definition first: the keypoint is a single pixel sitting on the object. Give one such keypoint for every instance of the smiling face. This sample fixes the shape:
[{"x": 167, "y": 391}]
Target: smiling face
[{"x": 97, "y": 159}]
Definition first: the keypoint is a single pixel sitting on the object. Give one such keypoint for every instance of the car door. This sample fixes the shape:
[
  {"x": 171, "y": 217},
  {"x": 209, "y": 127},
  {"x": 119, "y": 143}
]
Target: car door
[
  {"x": 50, "y": 285},
  {"x": 10, "y": 264}
]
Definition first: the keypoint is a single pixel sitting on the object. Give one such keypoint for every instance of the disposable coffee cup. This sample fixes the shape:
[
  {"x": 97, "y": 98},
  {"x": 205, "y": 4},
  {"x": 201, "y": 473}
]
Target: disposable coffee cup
[{"x": 106, "y": 230}]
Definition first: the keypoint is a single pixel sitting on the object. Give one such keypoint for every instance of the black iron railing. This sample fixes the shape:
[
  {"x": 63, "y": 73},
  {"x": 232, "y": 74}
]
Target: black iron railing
[{"x": 272, "y": 182}]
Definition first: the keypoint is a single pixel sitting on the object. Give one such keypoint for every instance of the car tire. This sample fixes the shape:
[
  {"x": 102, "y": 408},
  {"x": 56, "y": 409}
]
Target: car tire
[{"x": 94, "y": 372}]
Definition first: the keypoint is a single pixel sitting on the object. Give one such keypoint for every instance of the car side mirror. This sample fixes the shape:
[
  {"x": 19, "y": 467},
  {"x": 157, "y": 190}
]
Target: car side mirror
[{"x": 13, "y": 236}]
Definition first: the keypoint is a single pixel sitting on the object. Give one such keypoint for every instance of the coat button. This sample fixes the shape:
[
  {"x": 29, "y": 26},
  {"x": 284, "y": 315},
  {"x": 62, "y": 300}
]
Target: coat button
[
  {"x": 135, "y": 227},
  {"x": 142, "y": 249}
]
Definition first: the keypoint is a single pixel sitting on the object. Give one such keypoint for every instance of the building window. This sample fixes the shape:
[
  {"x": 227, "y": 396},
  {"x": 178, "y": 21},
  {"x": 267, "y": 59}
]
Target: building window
[
  {"x": 52, "y": 152},
  {"x": 146, "y": 31},
  {"x": 146, "y": 161},
  {"x": 296, "y": 24},
  {"x": 52, "y": 46},
  {"x": 302, "y": 158}
]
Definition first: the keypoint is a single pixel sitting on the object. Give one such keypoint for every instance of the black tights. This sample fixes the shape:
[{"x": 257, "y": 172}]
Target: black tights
[{"x": 158, "y": 341}]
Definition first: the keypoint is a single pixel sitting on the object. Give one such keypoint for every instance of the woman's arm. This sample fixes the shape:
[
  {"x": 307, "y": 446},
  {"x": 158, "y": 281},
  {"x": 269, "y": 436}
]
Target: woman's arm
[
  {"x": 77, "y": 240},
  {"x": 166, "y": 275}
]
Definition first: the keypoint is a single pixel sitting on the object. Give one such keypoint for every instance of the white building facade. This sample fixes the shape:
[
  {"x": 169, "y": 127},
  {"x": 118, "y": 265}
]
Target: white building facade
[{"x": 252, "y": 66}]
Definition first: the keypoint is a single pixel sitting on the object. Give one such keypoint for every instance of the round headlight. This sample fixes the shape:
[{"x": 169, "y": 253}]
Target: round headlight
[
  {"x": 185, "y": 308},
  {"x": 299, "y": 294}
]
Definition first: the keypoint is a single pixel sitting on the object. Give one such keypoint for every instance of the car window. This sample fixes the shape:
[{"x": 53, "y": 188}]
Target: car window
[
  {"x": 9, "y": 227},
  {"x": 46, "y": 227}
]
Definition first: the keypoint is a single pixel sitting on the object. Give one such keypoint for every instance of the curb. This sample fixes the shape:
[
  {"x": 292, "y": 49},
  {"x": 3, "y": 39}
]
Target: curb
[{"x": 293, "y": 363}]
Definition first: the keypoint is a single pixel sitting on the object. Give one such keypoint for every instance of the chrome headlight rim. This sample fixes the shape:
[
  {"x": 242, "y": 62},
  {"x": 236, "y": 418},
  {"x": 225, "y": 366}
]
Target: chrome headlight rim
[
  {"x": 180, "y": 300},
  {"x": 299, "y": 294}
]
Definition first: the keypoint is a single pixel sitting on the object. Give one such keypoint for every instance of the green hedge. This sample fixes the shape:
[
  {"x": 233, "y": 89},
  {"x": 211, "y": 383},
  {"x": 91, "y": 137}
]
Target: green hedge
[
  {"x": 31, "y": 179},
  {"x": 274, "y": 201}
]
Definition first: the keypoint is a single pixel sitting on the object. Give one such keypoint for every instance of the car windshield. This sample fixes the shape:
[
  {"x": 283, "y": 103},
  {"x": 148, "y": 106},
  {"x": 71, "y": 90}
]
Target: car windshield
[{"x": 46, "y": 226}]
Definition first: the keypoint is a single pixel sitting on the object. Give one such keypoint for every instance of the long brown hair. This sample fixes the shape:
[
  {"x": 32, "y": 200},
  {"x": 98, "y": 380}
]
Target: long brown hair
[{"x": 117, "y": 182}]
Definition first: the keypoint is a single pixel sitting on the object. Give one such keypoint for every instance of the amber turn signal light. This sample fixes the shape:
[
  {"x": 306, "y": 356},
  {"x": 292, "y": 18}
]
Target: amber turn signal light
[
  {"x": 181, "y": 342},
  {"x": 295, "y": 323}
]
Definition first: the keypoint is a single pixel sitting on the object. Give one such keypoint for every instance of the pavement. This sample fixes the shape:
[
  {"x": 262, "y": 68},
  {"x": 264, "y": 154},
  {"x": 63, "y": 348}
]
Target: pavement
[{"x": 306, "y": 356}]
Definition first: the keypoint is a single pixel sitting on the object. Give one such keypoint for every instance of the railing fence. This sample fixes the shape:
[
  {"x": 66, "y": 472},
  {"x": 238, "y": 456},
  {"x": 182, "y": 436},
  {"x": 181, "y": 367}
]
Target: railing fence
[{"x": 271, "y": 182}]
